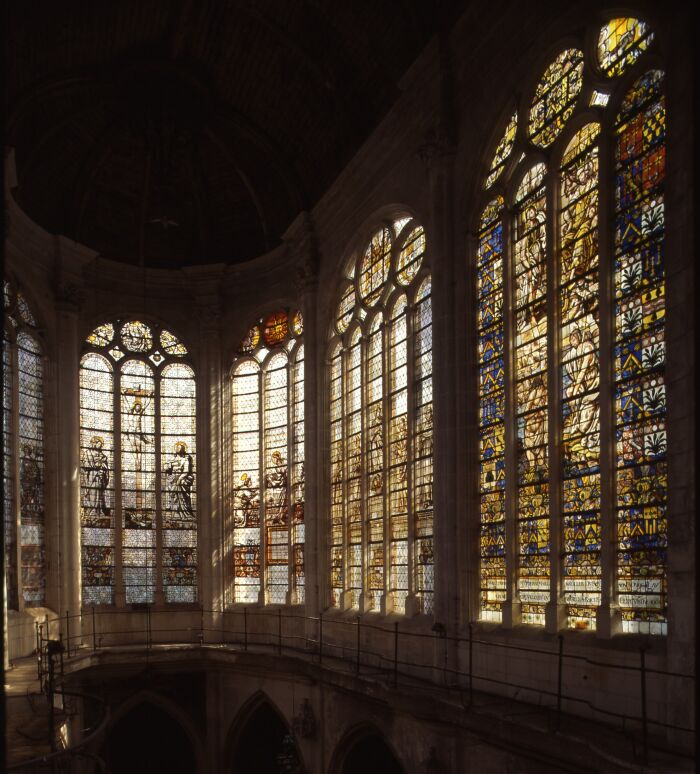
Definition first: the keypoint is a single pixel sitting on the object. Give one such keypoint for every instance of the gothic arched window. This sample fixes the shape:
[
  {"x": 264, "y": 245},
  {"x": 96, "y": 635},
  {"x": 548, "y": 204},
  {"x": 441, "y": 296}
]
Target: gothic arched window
[
  {"x": 23, "y": 457},
  {"x": 138, "y": 506},
  {"x": 570, "y": 292},
  {"x": 267, "y": 528},
  {"x": 381, "y": 428}
]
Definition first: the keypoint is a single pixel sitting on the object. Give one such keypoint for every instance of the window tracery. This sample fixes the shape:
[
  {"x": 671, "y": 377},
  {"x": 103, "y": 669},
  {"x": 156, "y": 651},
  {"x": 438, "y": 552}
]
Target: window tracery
[
  {"x": 380, "y": 373},
  {"x": 542, "y": 310},
  {"x": 23, "y": 458},
  {"x": 138, "y": 466},
  {"x": 267, "y": 388}
]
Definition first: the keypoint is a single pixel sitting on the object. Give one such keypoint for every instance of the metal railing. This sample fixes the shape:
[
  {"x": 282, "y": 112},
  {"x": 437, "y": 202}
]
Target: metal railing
[
  {"x": 50, "y": 668},
  {"x": 341, "y": 643}
]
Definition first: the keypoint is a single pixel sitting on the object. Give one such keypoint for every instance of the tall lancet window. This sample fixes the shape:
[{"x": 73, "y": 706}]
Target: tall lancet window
[
  {"x": 138, "y": 488},
  {"x": 381, "y": 428},
  {"x": 266, "y": 531},
  {"x": 23, "y": 459},
  {"x": 570, "y": 320}
]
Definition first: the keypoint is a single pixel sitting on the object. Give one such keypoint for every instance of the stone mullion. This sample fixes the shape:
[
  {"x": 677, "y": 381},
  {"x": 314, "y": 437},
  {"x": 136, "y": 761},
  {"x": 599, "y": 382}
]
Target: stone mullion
[
  {"x": 511, "y": 607},
  {"x": 67, "y": 348},
  {"x": 446, "y": 484},
  {"x": 364, "y": 346},
  {"x": 262, "y": 488},
  {"x": 119, "y": 590},
  {"x": 49, "y": 472},
  {"x": 16, "y": 480},
  {"x": 386, "y": 602},
  {"x": 159, "y": 592},
  {"x": 555, "y": 609},
  {"x": 471, "y": 411},
  {"x": 316, "y": 528},
  {"x": 209, "y": 473},
  {"x": 607, "y": 616},
  {"x": 291, "y": 467},
  {"x": 412, "y": 604},
  {"x": 223, "y": 484},
  {"x": 345, "y": 544}
]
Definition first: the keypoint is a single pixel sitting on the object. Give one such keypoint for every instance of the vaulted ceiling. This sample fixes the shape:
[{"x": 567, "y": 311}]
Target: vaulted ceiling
[{"x": 178, "y": 132}]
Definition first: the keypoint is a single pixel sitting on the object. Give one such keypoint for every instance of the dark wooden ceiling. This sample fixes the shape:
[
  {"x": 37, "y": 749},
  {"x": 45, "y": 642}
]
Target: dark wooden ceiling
[{"x": 178, "y": 132}]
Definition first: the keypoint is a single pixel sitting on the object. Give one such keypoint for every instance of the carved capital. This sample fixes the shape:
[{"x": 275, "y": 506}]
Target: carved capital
[
  {"x": 433, "y": 765},
  {"x": 209, "y": 313},
  {"x": 70, "y": 295},
  {"x": 301, "y": 241},
  {"x": 435, "y": 149},
  {"x": 306, "y": 276},
  {"x": 304, "y": 723}
]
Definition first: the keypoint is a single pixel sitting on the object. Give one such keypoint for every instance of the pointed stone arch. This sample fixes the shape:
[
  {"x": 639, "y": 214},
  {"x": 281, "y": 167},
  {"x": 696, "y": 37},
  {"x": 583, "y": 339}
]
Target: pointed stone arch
[
  {"x": 247, "y": 749},
  {"x": 168, "y": 710},
  {"x": 365, "y": 748}
]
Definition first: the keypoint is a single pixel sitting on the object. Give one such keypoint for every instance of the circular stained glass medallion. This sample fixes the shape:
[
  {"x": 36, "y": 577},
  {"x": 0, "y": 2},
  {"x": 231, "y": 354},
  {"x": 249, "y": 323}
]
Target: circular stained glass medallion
[
  {"x": 374, "y": 269},
  {"x": 275, "y": 328},
  {"x": 136, "y": 336}
]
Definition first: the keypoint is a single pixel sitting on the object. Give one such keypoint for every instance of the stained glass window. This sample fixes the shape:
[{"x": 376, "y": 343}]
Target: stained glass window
[
  {"x": 275, "y": 328},
  {"x": 492, "y": 547},
  {"x": 250, "y": 340},
  {"x": 620, "y": 43},
  {"x": 544, "y": 296},
  {"x": 8, "y": 474},
  {"x": 411, "y": 256},
  {"x": 380, "y": 371},
  {"x": 374, "y": 268},
  {"x": 138, "y": 467},
  {"x": 23, "y": 460},
  {"x": 500, "y": 157},
  {"x": 267, "y": 497},
  {"x": 555, "y": 97},
  {"x": 531, "y": 384},
  {"x": 338, "y": 477},
  {"x": 420, "y": 472},
  {"x": 640, "y": 393},
  {"x": 579, "y": 356}
]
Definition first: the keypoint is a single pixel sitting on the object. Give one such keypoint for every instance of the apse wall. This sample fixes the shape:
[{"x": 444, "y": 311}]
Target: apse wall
[{"x": 427, "y": 160}]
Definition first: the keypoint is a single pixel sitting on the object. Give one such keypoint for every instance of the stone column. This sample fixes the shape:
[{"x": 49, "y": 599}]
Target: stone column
[
  {"x": 210, "y": 449},
  {"x": 555, "y": 608},
  {"x": 681, "y": 383},
  {"x": 314, "y": 424},
  {"x": 68, "y": 300},
  {"x": 440, "y": 157},
  {"x": 608, "y": 616}
]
